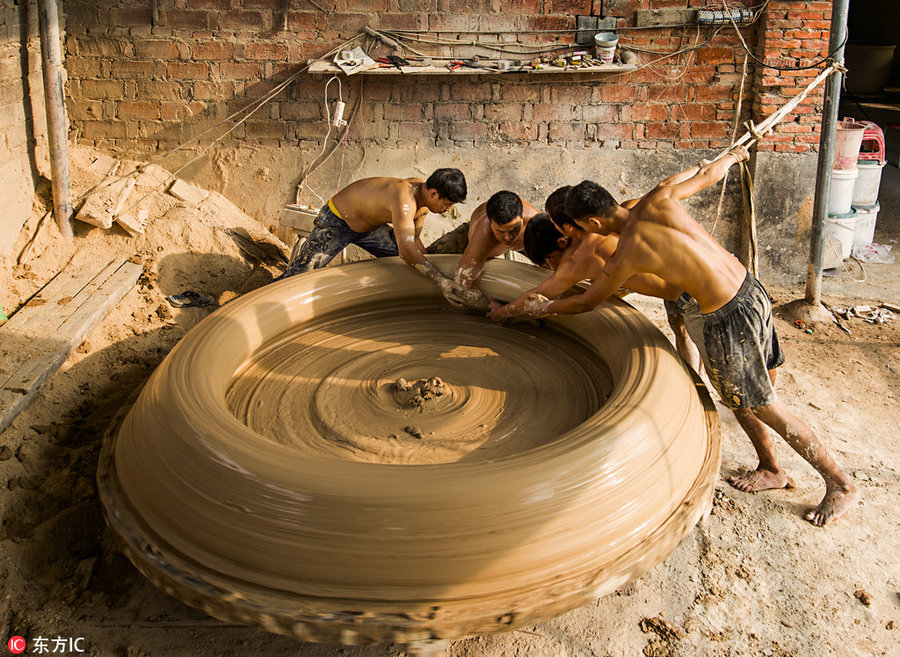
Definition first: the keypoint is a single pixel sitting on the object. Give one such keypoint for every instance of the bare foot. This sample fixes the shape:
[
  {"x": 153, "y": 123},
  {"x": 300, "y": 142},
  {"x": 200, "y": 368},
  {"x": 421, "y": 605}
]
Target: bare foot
[
  {"x": 833, "y": 505},
  {"x": 753, "y": 481}
]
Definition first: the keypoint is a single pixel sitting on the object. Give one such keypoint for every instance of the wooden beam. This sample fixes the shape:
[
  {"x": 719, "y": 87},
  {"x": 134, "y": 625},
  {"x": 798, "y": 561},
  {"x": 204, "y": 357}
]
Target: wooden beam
[{"x": 42, "y": 334}]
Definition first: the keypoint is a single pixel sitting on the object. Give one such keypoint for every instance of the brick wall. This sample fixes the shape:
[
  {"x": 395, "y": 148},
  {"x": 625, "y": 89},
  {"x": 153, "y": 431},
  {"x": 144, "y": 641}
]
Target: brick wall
[
  {"x": 140, "y": 89},
  {"x": 141, "y": 86},
  {"x": 21, "y": 118}
]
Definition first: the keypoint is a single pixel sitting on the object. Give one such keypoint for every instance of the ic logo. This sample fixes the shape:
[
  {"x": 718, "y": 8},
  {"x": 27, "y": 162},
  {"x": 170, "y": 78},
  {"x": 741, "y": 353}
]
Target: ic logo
[{"x": 16, "y": 645}]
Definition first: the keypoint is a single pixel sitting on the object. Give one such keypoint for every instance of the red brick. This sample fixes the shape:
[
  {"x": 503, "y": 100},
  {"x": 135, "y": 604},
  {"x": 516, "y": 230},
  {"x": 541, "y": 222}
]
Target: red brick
[
  {"x": 103, "y": 129},
  {"x": 520, "y": 7},
  {"x": 158, "y": 90},
  {"x": 416, "y": 130},
  {"x": 566, "y": 131},
  {"x": 188, "y": 70},
  {"x": 711, "y": 55},
  {"x": 265, "y": 129},
  {"x": 216, "y": 90},
  {"x": 668, "y": 93},
  {"x": 453, "y": 111},
  {"x": 266, "y": 51},
  {"x": 126, "y": 16},
  {"x": 137, "y": 110},
  {"x": 155, "y": 49},
  {"x": 518, "y": 130},
  {"x": 404, "y": 112},
  {"x": 645, "y": 112},
  {"x": 709, "y": 130},
  {"x": 214, "y": 50},
  {"x": 600, "y": 113},
  {"x": 668, "y": 130},
  {"x": 301, "y": 21},
  {"x": 102, "y": 88},
  {"x": 615, "y": 130},
  {"x": 551, "y": 112},
  {"x": 468, "y": 130},
  {"x": 503, "y": 112},
  {"x": 620, "y": 93},
  {"x": 239, "y": 71},
  {"x": 695, "y": 112},
  {"x": 130, "y": 69},
  {"x": 184, "y": 19},
  {"x": 470, "y": 91},
  {"x": 242, "y": 20}
]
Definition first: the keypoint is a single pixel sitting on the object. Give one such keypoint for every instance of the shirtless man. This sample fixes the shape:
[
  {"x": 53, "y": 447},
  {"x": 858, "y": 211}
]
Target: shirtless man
[
  {"x": 361, "y": 213},
  {"x": 495, "y": 227},
  {"x": 732, "y": 321},
  {"x": 555, "y": 207},
  {"x": 573, "y": 257}
]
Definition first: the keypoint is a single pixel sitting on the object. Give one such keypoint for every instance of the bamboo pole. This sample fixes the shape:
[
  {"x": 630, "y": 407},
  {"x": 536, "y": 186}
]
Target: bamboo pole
[{"x": 57, "y": 126}]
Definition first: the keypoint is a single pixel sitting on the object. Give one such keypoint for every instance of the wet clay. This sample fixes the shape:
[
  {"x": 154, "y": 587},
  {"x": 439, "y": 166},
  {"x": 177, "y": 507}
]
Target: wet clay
[
  {"x": 332, "y": 386},
  {"x": 272, "y": 472}
]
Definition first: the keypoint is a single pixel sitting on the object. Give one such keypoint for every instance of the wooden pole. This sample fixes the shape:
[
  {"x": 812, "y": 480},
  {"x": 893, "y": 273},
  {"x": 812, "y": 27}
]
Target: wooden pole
[{"x": 57, "y": 126}]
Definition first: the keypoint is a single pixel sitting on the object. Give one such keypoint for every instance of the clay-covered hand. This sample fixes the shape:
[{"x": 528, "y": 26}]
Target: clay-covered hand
[
  {"x": 497, "y": 311},
  {"x": 452, "y": 292},
  {"x": 739, "y": 152},
  {"x": 537, "y": 305}
]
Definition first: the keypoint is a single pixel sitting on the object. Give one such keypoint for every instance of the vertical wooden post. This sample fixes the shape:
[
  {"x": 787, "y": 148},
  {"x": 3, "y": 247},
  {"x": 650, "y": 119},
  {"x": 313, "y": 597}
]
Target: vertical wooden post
[{"x": 57, "y": 126}]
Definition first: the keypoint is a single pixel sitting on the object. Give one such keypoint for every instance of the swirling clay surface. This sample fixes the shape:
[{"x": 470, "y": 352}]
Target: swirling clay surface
[{"x": 343, "y": 457}]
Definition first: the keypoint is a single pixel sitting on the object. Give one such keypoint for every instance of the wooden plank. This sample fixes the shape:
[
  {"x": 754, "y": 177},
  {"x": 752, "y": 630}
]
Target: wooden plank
[
  {"x": 42, "y": 316},
  {"x": 49, "y": 350},
  {"x": 328, "y": 67}
]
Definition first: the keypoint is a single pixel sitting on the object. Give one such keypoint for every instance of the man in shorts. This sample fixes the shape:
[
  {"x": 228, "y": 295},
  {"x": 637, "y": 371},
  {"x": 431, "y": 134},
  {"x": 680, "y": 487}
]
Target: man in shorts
[
  {"x": 495, "y": 227},
  {"x": 362, "y": 214},
  {"x": 732, "y": 322}
]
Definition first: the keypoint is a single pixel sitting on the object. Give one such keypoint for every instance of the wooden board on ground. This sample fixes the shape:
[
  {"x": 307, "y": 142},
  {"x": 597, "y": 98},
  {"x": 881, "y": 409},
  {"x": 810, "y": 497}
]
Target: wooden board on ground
[{"x": 41, "y": 335}]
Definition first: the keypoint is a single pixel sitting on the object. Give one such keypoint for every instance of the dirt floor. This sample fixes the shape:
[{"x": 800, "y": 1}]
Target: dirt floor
[{"x": 753, "y": 578}]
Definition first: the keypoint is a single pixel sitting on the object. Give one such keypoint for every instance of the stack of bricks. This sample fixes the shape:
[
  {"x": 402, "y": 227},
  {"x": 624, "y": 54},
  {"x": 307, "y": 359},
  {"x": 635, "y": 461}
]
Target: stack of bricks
[{"x": 143, "y": 86}]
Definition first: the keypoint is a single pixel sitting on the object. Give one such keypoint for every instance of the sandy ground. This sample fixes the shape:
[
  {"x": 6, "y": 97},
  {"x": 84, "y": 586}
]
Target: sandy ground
[{"x": 753, "y": 578}]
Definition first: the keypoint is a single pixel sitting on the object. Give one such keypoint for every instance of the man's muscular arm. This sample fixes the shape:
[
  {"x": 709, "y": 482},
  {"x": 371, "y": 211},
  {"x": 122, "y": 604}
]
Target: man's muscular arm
[
  {"x": 531, "y": 302},
  {"x": 704, "y": 175}
]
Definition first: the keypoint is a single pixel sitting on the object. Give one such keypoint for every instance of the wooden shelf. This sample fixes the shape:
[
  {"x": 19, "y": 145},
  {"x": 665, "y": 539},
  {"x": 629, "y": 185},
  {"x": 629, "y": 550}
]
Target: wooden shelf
[{"x": 324, "y": 67}]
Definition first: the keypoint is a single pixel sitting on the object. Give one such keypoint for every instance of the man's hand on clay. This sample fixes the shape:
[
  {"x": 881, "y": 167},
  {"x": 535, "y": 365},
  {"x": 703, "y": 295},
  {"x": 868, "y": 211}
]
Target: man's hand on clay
[
  {"x": 497, "y": 311},
  {"x": 537, "y": 305},
  {"x": 453, "y": 293}
]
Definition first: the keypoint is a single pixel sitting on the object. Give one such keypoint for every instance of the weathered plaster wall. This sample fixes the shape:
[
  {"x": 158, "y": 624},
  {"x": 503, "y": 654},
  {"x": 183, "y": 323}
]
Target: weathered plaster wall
[
  {"x": 23, "y": 156},
  {"x": 141, "y": 89}
]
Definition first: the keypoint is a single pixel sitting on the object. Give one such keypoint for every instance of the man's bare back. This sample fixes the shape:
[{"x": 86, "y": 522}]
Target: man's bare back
[{"x": 371, "y": 202}]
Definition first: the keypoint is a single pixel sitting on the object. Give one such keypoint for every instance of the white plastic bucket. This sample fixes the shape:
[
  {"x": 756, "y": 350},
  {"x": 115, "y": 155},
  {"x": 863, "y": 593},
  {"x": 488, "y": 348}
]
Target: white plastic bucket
[
  {"x": 865, "y": 189},
  {"x": 865, "y": 224},
  {"x": 840, "y": 195},
  {"x": 605, "y": 44},
  {"x": 840, "y": 229}
]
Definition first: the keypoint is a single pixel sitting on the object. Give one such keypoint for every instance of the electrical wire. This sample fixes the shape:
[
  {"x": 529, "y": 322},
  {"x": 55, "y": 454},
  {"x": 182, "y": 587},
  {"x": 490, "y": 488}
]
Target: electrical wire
[
  {"x": 250, "y": 109},
  {"x": 827, "y": 57}
]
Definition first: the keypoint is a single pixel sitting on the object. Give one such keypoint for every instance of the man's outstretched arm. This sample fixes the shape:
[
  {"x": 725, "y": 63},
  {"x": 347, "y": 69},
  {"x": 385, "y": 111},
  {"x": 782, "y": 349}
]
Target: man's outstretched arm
[{"x": 705, "y": 174}]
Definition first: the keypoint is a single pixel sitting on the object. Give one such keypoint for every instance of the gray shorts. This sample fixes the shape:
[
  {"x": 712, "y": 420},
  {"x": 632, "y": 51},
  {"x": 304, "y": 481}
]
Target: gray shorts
[
  {"x": 330, "y": 235},
  {"x": 737, "y": 343}
]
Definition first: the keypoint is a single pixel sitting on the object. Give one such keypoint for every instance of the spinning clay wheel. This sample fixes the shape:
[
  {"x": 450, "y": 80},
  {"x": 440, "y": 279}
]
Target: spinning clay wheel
[{"x": 341, "y": 456}]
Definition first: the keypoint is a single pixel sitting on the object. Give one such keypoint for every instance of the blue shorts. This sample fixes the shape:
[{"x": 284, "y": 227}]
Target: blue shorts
[
  {"x": 330, "y": 235},
  {"x": 737, "y": 343}
]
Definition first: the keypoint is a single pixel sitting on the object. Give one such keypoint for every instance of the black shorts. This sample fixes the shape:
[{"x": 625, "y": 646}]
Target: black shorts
[{"x": 738, "y": 344}]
